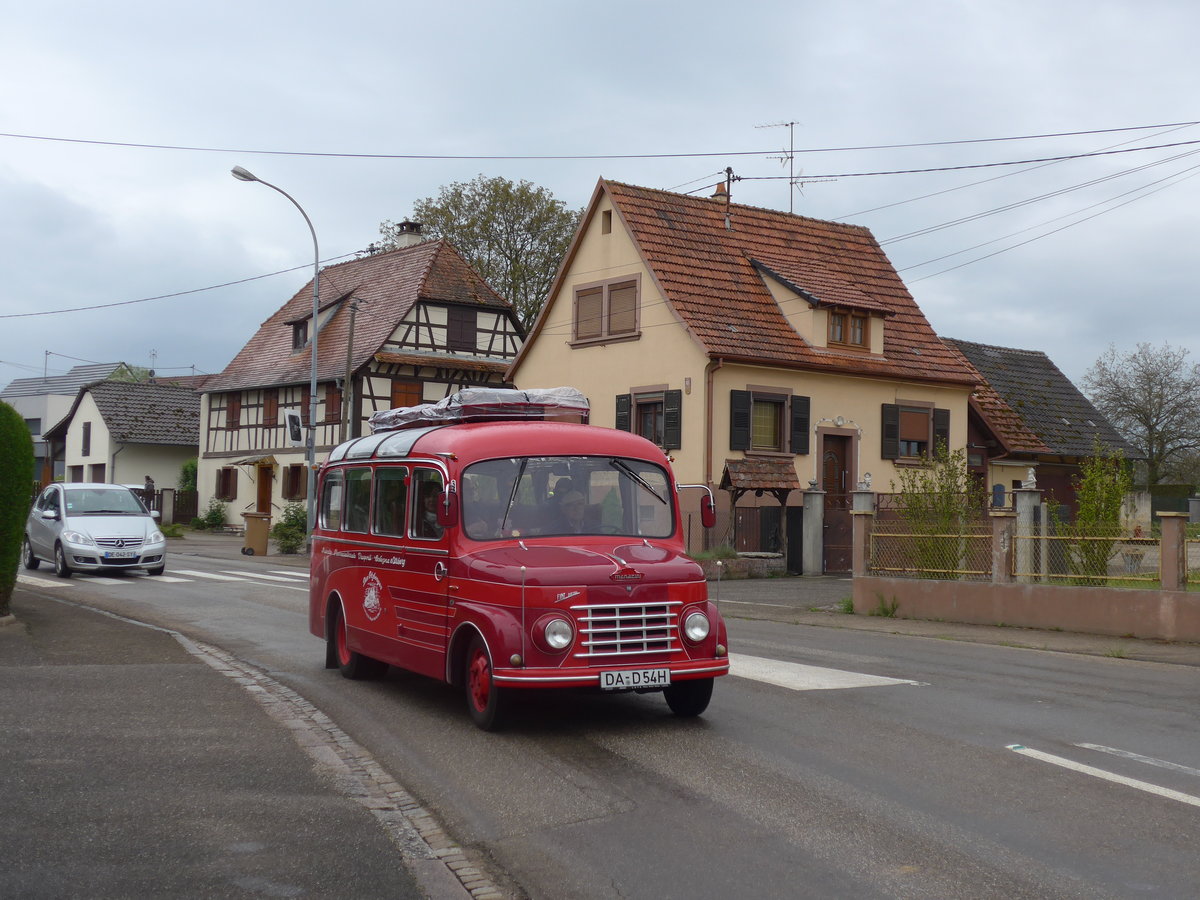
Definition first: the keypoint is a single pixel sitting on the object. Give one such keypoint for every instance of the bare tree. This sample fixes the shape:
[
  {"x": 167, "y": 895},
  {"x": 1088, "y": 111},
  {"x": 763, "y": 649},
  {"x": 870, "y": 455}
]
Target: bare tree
[
  {"x": 515, "y": 234},
  {"x": 1152, "y": 396}
]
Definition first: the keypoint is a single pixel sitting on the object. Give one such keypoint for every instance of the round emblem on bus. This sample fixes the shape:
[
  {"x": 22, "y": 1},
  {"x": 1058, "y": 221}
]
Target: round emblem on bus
[{"x": 372, "y": 588}]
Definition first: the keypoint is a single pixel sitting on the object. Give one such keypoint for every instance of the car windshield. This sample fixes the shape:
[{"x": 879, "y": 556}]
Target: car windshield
[
  {"x": 103, "y": 502},
  {"x": 526, "y": 496}
]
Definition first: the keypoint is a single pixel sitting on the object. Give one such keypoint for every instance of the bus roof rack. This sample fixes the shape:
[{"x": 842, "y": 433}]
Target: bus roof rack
[{"x": 487, "y": 404}]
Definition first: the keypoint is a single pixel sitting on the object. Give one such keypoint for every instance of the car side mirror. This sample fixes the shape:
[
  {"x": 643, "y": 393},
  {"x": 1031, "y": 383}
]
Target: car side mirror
[
  {"x": 49, "y": 513},
  {"x": 155, "y": 515},
  {"x": 708, "y": 511}
]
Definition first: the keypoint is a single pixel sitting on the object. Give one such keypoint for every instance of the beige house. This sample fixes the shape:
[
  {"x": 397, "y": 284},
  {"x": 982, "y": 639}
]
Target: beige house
[
  {"x": 121, "y": 431},
  {"x": 776, "y": 356},
  {"x": 406, "y": 326}
]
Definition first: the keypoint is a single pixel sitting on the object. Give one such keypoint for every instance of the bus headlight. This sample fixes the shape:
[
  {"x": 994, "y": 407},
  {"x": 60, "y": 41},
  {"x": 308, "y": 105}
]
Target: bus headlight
[
  {"x": 558, "y": 634},
  {"x": 695, "y": 626}
]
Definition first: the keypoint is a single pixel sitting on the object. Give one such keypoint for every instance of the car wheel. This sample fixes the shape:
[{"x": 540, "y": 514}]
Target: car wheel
[
  {"x": 689, "y": 698},
  {"x": 485, "y": 700},
  {"x": 61, "y": 569},
  {"x": 351, "y": 664},
  {"x": 157, "y": 570},
  {"x": 30, "y": 561}
]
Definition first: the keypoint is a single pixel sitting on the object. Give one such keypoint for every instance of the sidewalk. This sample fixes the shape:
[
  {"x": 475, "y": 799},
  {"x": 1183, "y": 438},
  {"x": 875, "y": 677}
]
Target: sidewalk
[{"x": 137, "y": 763}]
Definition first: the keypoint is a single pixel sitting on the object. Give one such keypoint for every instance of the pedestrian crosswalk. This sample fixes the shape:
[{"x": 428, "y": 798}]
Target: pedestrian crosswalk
[{"x": 297, "y": 578}]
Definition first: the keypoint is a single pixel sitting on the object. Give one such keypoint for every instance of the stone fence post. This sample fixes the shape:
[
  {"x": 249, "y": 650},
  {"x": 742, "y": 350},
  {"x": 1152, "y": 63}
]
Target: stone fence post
[
  {"x": 1026, "y": 501},
  {"x": 813, "y": 537},
  {"x": 1003, "y": 526},
  {"x": 1172, "y": 560},
  {"x": 862, "y": 516}
]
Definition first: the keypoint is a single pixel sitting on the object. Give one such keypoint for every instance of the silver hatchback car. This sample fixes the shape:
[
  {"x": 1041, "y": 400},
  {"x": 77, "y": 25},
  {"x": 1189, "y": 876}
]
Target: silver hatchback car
[{"x": 93, "y": 528}]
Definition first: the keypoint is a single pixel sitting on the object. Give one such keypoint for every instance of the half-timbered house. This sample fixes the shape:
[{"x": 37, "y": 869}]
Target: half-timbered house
[{"x": 395, "y": 328}]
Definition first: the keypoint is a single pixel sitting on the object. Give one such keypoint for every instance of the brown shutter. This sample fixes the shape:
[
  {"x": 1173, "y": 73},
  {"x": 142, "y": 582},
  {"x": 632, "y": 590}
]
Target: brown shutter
[
  {"x": 890, "y": 429},
  {"x": 739, "y": 420},
  {"x": 589, "y": 313}
]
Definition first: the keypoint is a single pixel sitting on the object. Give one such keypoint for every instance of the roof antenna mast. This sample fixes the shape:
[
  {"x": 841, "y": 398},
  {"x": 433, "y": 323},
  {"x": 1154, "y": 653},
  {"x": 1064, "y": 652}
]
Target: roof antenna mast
[{"x": 789, "y": 157}]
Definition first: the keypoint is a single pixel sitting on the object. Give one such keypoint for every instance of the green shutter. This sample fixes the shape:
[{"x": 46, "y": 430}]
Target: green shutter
[
  {"x": 672, "y": 420},
  {"x": 739, "y": 420},
  {"x": 890, "y": 427}
]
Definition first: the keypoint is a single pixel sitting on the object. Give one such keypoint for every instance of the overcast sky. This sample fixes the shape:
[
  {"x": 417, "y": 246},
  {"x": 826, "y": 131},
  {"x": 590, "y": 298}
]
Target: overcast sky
[{"x": 1107, "y": 256}]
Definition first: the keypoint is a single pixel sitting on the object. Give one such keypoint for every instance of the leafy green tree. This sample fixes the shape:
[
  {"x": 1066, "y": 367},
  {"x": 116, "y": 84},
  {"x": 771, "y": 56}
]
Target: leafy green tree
[
  {"x": 514, "y": 234},
  {"x": 936, "y": 502},
  {"x": 16, "y": 488},
  {"x": 187, "y": 475},
  {"x": 1152, "y": 396},
  {"x": 1103, "y": 483}
]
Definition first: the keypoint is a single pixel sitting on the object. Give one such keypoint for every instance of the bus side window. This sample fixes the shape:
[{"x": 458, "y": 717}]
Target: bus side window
[
  {"x": 427, "y": 485},
  {"x": 331, "y": 501},
  {"x": 358, "y": 500},
  {"x": 391, "y": 491}
]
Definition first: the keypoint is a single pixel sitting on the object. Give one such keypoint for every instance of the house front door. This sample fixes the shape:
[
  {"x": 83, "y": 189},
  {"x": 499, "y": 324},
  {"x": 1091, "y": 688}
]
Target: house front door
[
  {"x": 262, "y": 502},
  {"x": 835, "y": 482}
]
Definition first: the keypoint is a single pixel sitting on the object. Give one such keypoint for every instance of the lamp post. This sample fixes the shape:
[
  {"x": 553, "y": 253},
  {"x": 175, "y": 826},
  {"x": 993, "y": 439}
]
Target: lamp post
[{"x": 311, "y": 443}]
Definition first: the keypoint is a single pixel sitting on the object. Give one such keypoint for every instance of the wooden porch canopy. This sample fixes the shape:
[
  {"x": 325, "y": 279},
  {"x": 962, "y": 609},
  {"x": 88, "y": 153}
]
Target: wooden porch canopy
[{"x": 776, "y": 477}]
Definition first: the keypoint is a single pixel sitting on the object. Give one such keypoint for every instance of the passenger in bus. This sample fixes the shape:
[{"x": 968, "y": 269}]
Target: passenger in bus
[
  {"x": 428, "y": 526},
  {"x": 570, "y": 514}
]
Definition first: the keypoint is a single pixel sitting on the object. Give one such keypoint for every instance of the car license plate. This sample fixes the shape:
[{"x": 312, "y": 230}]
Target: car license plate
[
  {"x": 634, "y": 678},
  {"x": 120, "y": 554}
]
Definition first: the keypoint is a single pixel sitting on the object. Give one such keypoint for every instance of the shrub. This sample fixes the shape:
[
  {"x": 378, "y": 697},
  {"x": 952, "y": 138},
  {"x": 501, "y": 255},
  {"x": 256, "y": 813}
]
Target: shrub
[
  {"x": 291, "y": 529},
  {"x": 187, "y": 476},
  {"x": 213, "y": 516},
  {"x": 16, "y": 475}
]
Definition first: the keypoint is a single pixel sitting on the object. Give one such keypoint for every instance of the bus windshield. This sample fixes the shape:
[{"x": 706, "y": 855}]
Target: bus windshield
[{"x": 527, "y": 496}]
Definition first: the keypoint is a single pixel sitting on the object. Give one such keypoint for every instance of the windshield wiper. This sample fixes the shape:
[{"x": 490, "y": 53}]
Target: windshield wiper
[
  {"x": 621, "y": 466},
  {"x": 512, "y": 495}
]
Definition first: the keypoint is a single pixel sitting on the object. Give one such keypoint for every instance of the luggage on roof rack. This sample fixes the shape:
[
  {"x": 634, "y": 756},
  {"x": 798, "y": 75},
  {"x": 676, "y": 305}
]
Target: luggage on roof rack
[{"x": 483, "y": 404}]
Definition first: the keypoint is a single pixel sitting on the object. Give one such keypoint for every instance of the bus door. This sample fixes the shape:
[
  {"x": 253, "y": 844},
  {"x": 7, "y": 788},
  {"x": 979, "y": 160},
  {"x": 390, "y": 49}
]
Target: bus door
[{"x": 422, "y": 594}]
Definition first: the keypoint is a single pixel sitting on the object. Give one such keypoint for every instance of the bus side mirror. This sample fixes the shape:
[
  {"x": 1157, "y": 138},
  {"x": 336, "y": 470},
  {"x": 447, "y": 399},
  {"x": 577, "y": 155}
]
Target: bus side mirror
[
  {"x": 447, "y": 509},
  {"x": 708, "y": 511}
]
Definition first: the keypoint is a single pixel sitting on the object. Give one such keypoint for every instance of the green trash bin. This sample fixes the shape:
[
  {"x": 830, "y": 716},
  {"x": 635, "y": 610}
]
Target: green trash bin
[{"x": 258, "y": 529}]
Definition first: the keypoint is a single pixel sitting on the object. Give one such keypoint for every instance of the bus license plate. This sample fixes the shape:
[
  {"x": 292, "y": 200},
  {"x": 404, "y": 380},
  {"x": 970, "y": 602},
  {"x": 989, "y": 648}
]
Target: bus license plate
[
  {"x": 120, "y": 554},
  {"x": 635, "y": 678}
]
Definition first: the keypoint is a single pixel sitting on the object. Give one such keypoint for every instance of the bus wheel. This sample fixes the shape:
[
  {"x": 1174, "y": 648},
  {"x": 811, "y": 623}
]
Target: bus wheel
[
  {"x": 689, "y": 698},
  {"x": 351, "y": 664},
  {"x": 485, "y": 701}
]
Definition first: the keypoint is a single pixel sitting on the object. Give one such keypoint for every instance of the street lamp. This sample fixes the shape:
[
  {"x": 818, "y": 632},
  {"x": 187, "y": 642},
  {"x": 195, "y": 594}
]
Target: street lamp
[{"x": 311, "y": 444}]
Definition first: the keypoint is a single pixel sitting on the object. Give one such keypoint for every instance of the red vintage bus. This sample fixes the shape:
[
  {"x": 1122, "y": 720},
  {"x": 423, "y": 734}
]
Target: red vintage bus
[{"x": 488, "y": 543}]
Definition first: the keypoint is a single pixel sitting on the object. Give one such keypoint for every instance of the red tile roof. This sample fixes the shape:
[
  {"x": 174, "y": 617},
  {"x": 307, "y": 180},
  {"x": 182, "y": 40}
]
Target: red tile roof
[
  {"x": 708, "y": 273},
  {"x": 755, "y": 473},
  {"x": 390, "y": 283}
]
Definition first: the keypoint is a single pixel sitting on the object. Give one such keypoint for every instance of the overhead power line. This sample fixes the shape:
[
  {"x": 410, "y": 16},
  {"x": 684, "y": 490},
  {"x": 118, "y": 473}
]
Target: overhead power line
[{"x": 496, "y": 156}]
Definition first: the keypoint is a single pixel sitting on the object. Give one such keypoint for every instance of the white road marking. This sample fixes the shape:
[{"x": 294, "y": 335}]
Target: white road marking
[
  {"x": 261, "y": 575},
  {"x": 43, "y": 582},
  {"x": 100, "y": 579},
  {"x": 1065, "y": 763},
  {"x": 213, "y": 575},
  {"x": 169, "y": 579},
  {"x": 298, "y": 574},
  {"x": 799, "y": 677},
  {"x": 1148, "y": 760}
]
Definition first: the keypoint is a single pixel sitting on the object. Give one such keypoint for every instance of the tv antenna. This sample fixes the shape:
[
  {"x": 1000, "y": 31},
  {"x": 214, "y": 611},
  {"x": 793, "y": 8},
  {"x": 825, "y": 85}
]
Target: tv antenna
[{"x": 789, "y": 159}]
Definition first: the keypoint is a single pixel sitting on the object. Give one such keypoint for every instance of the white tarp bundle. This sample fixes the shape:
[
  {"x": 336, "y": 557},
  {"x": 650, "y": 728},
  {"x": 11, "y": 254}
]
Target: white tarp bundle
[{"x": 475, "y": 404}]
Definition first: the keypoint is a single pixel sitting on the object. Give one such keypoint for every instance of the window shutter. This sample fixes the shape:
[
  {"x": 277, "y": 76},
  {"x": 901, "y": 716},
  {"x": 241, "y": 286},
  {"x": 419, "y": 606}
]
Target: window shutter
[
  {"x": 589, "y": 313},
  {"x": 941, "y": 429},
  {"x": 890, "y": 428},
  {"x": 672, "y": 420},
  {"x": 622, "y": 308},
  {"x": 624, "y": 405},
  {"x": 800, "y": 423},
  {"x": 739, "y": 420}
]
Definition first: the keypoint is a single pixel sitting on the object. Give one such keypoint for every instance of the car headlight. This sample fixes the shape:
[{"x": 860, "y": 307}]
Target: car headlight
[
  {"x": 558, "y": 634},
  {"x": 695, "y": 626},
  {"x": 78, "y": 537},
  {"x": 156, "y": 537}
]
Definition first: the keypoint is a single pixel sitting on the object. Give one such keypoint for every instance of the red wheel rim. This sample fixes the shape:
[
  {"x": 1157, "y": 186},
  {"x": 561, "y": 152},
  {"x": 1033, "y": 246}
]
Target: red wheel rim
[
  {"x": 339, "y": 637},
  {"x": 481, "y": 680}
]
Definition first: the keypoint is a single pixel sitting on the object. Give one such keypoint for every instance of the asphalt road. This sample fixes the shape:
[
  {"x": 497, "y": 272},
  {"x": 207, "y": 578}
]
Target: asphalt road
[{"x": 839, "y": 762}]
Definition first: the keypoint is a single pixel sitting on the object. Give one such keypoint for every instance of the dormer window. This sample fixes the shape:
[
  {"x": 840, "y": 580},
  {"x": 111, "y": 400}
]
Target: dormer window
[
  {"x": 299, "y": 335},
  {"x": 848, "y": 329}
]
